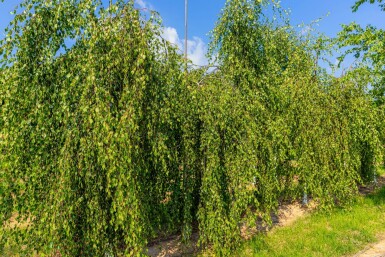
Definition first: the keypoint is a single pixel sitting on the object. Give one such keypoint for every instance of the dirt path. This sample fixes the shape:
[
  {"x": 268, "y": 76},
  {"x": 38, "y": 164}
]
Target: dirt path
[{"x": 373, "y": 250}]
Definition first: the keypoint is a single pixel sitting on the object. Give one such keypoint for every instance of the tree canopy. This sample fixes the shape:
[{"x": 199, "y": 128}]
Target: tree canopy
[{"x": 107, "y": 143}]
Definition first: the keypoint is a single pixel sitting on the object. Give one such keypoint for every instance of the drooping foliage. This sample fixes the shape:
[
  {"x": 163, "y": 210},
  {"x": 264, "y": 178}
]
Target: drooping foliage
[
  {"x": 305, "y": 134},
  {"x": 93, "y": 132},
  {"x": 107, "y": 143},
  {"x": 367, "y": 47}
]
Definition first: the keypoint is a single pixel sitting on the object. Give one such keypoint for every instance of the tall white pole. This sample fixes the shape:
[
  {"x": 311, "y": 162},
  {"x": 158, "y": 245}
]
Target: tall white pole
[{"x": 185, "y": 30}]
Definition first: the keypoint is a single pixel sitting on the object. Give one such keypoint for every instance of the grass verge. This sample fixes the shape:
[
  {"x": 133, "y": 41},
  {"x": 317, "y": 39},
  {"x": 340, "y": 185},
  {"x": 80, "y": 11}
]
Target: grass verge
[{"x": 340, "y": 232}]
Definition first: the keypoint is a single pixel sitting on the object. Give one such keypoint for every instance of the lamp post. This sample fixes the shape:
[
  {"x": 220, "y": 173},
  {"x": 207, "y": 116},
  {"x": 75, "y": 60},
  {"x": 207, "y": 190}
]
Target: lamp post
[{"x": 185, "y": 31}]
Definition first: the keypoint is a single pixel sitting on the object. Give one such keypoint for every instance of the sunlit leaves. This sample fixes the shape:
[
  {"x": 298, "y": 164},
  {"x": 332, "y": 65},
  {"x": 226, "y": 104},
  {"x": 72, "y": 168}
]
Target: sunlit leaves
[
  {"x": 106, "y": 144},
  {"x": 367, "y": 46},
  {"x": 357, "y": 4},
  {"x": 91, "y": 129}
]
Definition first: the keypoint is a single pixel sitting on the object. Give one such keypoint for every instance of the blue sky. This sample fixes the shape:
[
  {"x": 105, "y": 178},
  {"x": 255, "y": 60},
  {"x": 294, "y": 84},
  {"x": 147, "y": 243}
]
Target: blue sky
[{"x": 204, "y": 13}]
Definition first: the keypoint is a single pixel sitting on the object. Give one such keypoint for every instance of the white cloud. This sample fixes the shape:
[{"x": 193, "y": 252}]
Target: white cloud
[
  {"x": 143, "y": 4},
  {"x": 171, "y": 35},
  {"x": 196, "y": 48},
  {"x": 196, "y": 51}
]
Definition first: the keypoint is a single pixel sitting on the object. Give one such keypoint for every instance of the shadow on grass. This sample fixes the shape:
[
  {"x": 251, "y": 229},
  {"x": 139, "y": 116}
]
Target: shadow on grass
[{"x": 378, "y": 198}]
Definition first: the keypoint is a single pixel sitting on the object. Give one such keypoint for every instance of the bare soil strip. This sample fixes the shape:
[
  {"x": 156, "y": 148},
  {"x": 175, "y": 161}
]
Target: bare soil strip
[
  {"x": 172, "y": 247},
  {"x": 287, "y": 215}
]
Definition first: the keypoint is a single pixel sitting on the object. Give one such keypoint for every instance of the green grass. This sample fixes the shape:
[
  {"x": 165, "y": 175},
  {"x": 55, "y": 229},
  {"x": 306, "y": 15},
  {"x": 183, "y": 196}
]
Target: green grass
[{"x": 337, "y": 233}]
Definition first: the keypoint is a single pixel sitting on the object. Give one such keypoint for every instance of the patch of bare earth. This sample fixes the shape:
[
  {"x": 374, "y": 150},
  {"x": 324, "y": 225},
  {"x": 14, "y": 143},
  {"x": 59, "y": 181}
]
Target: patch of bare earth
[
  {"x": 287, "y": 214},
  {"x": 172, "y": 246},
  {"x": 14, "y": 222},
  {"x": 373, "y": 250},
  {"x": 367, "y": 189}
]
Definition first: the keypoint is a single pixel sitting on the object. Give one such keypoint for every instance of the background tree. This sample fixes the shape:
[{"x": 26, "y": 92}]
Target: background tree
[{"x": 367, "y": 45}]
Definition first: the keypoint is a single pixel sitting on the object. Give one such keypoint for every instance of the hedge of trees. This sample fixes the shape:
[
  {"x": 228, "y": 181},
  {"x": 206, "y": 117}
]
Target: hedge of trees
[{"x": 107, "y": 142}]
